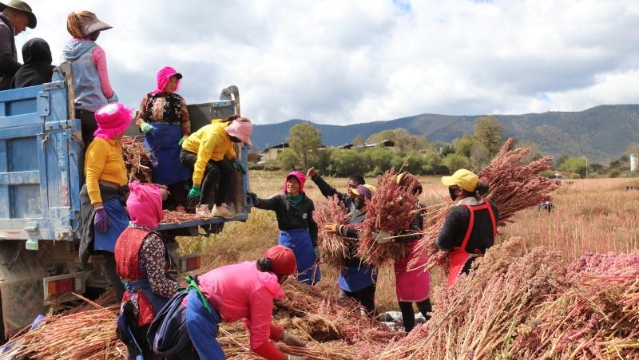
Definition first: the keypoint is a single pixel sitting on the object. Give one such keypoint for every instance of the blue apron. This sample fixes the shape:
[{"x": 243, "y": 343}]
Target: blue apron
[
  {"x": 357, "y": 277},
  {"x": 118, "y": 222},
  {"x": 162, "y": 142},
  {"x": 300, "y": 241}
]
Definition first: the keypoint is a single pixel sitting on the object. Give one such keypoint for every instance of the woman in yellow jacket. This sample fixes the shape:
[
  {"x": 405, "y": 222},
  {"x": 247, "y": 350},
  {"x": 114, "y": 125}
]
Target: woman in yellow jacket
[{"x": 203, "y": 154}]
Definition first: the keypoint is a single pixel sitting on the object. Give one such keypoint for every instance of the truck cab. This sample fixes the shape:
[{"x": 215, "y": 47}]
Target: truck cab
[{"x": 41, "y": 160}]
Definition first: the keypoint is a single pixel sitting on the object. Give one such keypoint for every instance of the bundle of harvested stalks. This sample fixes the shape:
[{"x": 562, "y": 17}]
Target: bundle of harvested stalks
[
  {"x": 530, "y": 305},
  {"x": 332, "y": 247},
  {"x": 513, "y": 187},
  {"x": 390, "y": 210},
  {"x": 175, "y": 217},
  {"x": 88, "y": 334},
  {"x": 137, "y": 159}
]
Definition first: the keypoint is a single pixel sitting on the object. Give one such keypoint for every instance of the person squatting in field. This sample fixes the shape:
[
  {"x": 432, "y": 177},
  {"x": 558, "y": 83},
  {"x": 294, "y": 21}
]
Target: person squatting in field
[
  {"x": 103, "y": 196},
  {"x": 203, "y": 154},
  {"x": 412, "y": 285},
  {"x": 228, "y": 293},
  {"x": 470, "y": 225},
  {"x": 298, "y": 231},
  {"x": 143, "y": 262},
  {"x": 164, "y": 120},
  {"x": 328, "y": 191},
  {"x": 356, "y": 280}
]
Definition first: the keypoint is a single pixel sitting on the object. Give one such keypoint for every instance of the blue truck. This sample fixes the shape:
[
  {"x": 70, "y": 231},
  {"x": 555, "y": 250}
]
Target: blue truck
[{"x": 41, "y": 159}]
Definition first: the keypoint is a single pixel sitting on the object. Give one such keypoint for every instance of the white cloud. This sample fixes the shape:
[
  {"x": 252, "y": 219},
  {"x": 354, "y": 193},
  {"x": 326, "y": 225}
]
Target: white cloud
[{"x": 342, "y": 62}]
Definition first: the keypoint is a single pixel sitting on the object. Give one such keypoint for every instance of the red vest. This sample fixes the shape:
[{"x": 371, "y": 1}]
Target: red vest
[{"x": 127, "y": 258}]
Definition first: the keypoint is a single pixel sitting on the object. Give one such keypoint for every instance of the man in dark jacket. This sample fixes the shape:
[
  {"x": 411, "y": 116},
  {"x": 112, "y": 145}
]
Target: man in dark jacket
[{"x": 16, "y": 16}]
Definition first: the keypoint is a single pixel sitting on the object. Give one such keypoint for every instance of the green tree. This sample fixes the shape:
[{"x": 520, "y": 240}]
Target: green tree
[
  {"x": 347, "y": 162},
  {"x": 358, "y": 141},
  {"x": 433, "y": 164},
  {"x": 575, "y": 166},
  {"x": 488, "y": 131},
  {"x": 379, "y": 159},
  {"x": 463, "y": 145},
  {"x": 455, "y": 162},
  {"x": 305, "y": 140},
  {"x": 288, "y": 159}
]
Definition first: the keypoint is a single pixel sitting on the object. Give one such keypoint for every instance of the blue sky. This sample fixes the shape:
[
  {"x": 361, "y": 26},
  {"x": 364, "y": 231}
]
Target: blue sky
[{"x": 343, "y": 62}]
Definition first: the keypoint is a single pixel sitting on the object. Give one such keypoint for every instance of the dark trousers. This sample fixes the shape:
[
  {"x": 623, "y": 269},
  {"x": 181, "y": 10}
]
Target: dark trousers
[
  {"x": 408, "y": 313},
  {"x": 217, "y": 174},
  {"x": 89, "y": 126},
  {"x": 112, "y": 274},
  {"x": 366, "y": 297}
]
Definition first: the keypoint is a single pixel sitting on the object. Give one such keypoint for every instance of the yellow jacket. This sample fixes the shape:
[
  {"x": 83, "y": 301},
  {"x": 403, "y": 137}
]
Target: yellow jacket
[
  {"x": 103, "y": 161},
  {"x": 211, "y": 142}
]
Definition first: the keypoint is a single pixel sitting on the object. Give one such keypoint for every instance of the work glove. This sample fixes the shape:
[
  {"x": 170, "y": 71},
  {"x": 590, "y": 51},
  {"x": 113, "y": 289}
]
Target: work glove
[
  {"x": 239, "y": 167},
  {"x": 292, "y": 340},
  {"x": 253, "y": 196},
  {"x": 296, "y": 357},
  {"x": 101, "y": 220},
  {"x": 194, "y": 196},
  {"x": 332, "y": 228},
  {"x": 182, "y": 140},
  {"x": 146, "y": 128}
]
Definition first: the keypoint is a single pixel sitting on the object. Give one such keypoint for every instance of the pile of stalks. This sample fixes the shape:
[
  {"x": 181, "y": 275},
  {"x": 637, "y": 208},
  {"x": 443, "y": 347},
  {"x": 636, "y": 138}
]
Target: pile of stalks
[
  {"x": 333, "y": 330},
  {"x": 137, "y": 159},
  {"x": 85, "y": 332},
  {"x": 531, "y": 305},
  {"x": 514, "y": 186}
]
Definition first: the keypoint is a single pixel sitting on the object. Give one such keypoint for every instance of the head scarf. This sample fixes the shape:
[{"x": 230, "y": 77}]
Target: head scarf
[
  {"x": 300, "y": 176},
  {"x": 283, "y": 260},
  {"x": 145, "y": 204},
  {"x": 163, "y": 77}
]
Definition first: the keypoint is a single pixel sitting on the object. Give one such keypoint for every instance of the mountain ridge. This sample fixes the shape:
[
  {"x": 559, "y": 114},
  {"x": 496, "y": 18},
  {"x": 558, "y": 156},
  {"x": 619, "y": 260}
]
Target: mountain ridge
[{"x": 601, "y": 133}]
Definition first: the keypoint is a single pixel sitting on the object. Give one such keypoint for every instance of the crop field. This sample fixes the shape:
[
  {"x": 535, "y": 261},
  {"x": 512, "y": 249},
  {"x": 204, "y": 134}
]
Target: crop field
[{"x": 590, "y": 215}]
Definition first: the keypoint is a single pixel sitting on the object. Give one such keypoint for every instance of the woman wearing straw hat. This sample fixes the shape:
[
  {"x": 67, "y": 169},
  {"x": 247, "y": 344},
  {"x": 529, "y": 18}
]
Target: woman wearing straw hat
[
  {"x": 91, "y": 84},
  {"x": 143, "y": 263},
  {"x": 470, "y": 226},
  {"x": 104, "y": 194},
  {"x": 15, "y": 17},
  {"x": 164, "y": 120},
  {"x": 226, "y": 294}
]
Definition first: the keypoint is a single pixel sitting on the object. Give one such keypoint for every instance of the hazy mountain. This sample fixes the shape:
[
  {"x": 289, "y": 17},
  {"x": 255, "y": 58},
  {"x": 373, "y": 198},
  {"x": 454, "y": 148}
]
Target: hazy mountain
[{"x": 602, "y": 133}]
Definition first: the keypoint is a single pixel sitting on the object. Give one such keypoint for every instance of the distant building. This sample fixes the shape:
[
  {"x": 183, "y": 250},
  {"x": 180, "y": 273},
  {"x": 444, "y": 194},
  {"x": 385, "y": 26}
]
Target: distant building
[
  {"x": 272, "y": 152},
  {"x": 385, "y": 143}
]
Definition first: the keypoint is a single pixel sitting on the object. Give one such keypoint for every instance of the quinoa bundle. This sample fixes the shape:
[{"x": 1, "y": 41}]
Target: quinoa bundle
[
  {"x": 137, "y": 160},
  {"x": 333, "y": 247},
  {"x": 390, "y": 210}
]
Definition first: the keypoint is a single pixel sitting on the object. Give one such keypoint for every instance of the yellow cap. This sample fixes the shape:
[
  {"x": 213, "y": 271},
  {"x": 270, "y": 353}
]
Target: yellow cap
[{"x": 463, "y": 178}]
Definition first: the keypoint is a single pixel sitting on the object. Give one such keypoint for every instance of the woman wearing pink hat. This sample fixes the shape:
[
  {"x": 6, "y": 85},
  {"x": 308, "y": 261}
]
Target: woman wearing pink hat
[
  {"x": 203, "y": 154},
  {"x": 294, "y": 212},
  {"x": 142, "y": 262},
  {"x": 164, "y": 120},
  {"x": 227, "y": 294},
  {"x": 103, "y": 195},
  {"x": 91, "y": 84}
]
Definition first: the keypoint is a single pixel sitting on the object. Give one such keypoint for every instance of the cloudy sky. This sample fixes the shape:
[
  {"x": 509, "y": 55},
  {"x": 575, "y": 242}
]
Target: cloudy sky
[{"x": 353, "y": 61}]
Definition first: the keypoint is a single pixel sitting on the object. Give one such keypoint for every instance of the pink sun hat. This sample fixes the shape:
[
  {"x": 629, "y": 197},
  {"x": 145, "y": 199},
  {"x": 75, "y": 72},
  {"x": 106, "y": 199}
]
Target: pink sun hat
[{"x": 112, "y": 119}]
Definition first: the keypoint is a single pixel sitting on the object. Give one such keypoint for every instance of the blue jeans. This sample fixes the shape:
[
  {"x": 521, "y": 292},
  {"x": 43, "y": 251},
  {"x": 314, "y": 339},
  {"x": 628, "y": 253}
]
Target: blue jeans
[{"x": 203, "y": 327}]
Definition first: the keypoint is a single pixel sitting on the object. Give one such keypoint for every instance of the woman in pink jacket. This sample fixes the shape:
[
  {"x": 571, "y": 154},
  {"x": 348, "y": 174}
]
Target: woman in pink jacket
[{"x": 240, "y": 291}]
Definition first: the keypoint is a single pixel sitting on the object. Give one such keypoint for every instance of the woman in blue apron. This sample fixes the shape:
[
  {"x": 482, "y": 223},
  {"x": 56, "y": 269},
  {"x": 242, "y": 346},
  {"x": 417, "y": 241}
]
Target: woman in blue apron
[
  {"x": 103, "y": 195},
  {"x": 164, "y": 120},
  {"x": 298, "y": 230}
]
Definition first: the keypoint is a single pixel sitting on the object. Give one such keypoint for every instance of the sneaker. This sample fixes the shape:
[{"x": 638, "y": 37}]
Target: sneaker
[
  {"x": 221, "y": 211},
  {"x": 203, "y": 211}
]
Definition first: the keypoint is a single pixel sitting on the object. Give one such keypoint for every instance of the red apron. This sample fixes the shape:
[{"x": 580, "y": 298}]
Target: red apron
[{"x": 459, "y": 256}]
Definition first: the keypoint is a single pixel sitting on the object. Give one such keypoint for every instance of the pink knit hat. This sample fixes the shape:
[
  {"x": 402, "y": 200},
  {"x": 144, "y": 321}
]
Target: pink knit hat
[
  {"x": 299, "y": 175},
  {"x": 145, "y": 204},
  {"x": 242, "y": 129},
  {"x": 112, "y": 119},
  {"x": 163, "y": 77}
]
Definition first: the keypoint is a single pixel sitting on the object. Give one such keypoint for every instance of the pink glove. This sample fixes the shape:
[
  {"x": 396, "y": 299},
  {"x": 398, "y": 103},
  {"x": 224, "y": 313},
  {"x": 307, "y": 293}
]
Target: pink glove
[{"x": 101, "y": 220}]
